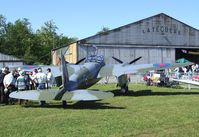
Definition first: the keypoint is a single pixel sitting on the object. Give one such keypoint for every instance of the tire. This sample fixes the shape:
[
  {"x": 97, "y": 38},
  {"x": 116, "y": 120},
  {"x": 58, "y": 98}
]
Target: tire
[{"x": 124, "y": 90}]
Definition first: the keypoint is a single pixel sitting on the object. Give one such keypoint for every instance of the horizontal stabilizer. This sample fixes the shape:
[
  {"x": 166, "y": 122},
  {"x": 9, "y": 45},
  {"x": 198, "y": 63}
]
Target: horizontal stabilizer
[
  {"x": 49, "y": 94},
  {"x": 86, "y": 95}
]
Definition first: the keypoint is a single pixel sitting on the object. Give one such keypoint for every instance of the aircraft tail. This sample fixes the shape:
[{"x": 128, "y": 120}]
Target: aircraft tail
[{"x": 65, "y": 77}]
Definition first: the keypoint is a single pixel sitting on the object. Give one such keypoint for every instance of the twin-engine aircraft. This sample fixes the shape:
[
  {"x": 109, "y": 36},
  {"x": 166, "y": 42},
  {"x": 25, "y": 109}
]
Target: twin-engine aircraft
[{"x": 78, "y": 77}]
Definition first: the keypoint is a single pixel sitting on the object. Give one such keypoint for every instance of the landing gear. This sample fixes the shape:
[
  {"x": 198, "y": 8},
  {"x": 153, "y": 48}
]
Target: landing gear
[
  {"x": 64, "y": 104},
  {"x": 124, "y": 89},
  {"x": 42, "y": 103},
  {"x": 123, "y": 82}
]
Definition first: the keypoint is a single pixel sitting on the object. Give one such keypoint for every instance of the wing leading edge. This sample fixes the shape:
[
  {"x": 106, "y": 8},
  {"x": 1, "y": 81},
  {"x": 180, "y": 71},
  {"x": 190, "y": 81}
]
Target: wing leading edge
[{"x": 120, "y": 69}]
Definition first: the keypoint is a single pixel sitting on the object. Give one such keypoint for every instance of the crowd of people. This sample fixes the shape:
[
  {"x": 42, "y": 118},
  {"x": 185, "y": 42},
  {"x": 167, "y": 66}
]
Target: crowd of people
[
  {"x": 161, "y": 77},
  {"x": 20, "y": 80},
  {"x": 186, "y": 72}
]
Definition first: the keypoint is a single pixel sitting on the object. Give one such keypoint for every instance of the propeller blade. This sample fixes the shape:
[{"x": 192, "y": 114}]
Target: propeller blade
[
  {"x": 80, "y": 61},
  {"x": 117, "y": 60},
  {"x": 133, "y": 61}
]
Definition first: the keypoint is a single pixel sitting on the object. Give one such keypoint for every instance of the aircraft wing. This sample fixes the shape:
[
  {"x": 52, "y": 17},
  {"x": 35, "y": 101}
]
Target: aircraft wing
[
  {"x": 56, "y": 70},
  {"x": 120, "y": 69},
  {"x": 50, "y": 94},
  {"x": 187, "y": 81}
]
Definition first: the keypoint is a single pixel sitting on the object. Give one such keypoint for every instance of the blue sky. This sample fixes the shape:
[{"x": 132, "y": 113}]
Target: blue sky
[{"x": 84, "y": 18}]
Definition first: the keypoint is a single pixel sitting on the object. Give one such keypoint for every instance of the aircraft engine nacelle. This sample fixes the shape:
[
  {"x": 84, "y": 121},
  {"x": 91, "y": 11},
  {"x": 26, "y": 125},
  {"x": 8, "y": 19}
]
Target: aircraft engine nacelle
[{"x": 123, "y": 82}]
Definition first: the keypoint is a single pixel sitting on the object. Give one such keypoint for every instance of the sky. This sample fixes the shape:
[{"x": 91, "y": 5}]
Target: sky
[{"x": 84, "y": 18}]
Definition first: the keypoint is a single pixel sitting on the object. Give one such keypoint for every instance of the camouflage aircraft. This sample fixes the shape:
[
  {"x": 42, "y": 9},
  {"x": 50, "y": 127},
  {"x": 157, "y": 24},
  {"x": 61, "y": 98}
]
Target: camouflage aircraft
[
  {"x": 77, "y": 77},
  {"x": 73, "y": 85}
]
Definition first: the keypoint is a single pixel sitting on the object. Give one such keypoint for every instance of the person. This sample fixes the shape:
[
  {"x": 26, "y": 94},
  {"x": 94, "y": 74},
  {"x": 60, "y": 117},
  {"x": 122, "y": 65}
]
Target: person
[
  {"x": 193, "y": 67},
  {"x": 184, "y": 70},
  {"x": 50, "y": 78},
  {"x": 7, "y": 70},
  {"x": 177, "y": 73},
  {"x": 19, "y": 69},
  {"x": 27, "y": 80},
  {"x": 20, "y": 83},
  {"x": 40, "y": 77},
  {"x": 190, "y": 73},
  {"x": 2, "y": 75},
  {"x": 9, "y": 85},
  {"x": 34, "y": 81}
]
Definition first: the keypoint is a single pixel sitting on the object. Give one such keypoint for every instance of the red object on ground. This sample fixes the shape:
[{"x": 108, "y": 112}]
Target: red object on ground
[{"x": 196, "y": 77}]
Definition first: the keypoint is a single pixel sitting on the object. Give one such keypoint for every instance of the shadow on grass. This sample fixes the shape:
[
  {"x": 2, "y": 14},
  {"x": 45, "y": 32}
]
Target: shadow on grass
[
  {"x": 150, "y": 93},
  {"x": 78, "y": 105}
]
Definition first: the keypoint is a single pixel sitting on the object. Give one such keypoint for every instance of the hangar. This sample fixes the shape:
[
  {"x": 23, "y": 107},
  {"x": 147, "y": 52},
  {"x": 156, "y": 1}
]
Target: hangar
[
  {"x": 7, "y": 60},
  {"x": 158, "y": 39}
]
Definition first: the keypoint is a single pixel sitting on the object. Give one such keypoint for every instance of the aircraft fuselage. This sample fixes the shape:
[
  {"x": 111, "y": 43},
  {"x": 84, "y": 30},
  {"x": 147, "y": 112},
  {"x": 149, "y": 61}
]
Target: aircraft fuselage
[{"x": 86, "y": 76}]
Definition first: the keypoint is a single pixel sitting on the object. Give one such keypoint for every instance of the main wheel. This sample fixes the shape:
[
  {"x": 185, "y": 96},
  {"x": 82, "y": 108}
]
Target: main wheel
[
  {"x": 64, "y": 103},
  {"x": 124, "y": 90}
]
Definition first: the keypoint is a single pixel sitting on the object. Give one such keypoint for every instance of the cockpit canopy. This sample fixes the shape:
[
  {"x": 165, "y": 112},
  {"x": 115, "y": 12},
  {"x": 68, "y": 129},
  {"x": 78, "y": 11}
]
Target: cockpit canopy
[{"x": 94, "y": 59}]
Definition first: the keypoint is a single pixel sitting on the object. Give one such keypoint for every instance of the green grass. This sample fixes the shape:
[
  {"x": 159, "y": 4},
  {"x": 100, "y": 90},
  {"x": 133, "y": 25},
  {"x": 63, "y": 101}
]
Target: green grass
[{"x": 144, "y": 112}]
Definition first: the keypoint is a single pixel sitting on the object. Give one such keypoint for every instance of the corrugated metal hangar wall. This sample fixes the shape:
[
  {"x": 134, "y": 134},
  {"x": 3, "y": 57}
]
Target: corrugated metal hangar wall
[
  {"x": 156, "y": 39},
  {"x": 6, "y": 61},
  {"x": 127, "y": 54}
]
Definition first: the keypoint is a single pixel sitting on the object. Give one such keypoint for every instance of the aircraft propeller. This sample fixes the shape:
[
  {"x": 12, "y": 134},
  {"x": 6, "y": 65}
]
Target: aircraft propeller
[
  {"x": 133, "y": 61},
  {"x": 79, "y": 61}
]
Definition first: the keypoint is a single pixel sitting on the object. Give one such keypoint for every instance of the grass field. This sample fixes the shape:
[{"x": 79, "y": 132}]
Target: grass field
[{"x": 144, "y": 112}]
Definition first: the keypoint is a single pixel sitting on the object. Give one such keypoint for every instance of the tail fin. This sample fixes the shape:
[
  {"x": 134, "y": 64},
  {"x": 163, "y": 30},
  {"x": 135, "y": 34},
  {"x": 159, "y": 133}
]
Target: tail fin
[{"x": 65, "y": 77}]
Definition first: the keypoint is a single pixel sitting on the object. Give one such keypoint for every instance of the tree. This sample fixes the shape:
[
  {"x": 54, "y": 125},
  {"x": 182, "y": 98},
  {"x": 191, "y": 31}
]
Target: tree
[
  {"x": 2, "y": 25},
  {"x": 2, "y": 31},
  {"x": 18, "y": 37},
  {"x": 103, "y": 30},
  {"x": 19, "y": 40},
  {"x": 49, "y": 39}
]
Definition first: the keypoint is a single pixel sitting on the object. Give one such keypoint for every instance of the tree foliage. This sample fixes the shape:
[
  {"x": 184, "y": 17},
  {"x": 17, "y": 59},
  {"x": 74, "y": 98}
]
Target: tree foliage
[
  {"x": 103, "y": 30},
  {"x": 18, "y": 39}
]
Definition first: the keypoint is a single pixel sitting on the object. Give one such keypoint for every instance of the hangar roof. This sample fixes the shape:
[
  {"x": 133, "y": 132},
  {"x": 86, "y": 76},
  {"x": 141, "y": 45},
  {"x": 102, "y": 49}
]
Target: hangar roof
[
  {"x": 158, "y": 30},
  {"x": 9, "y": 58}
]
